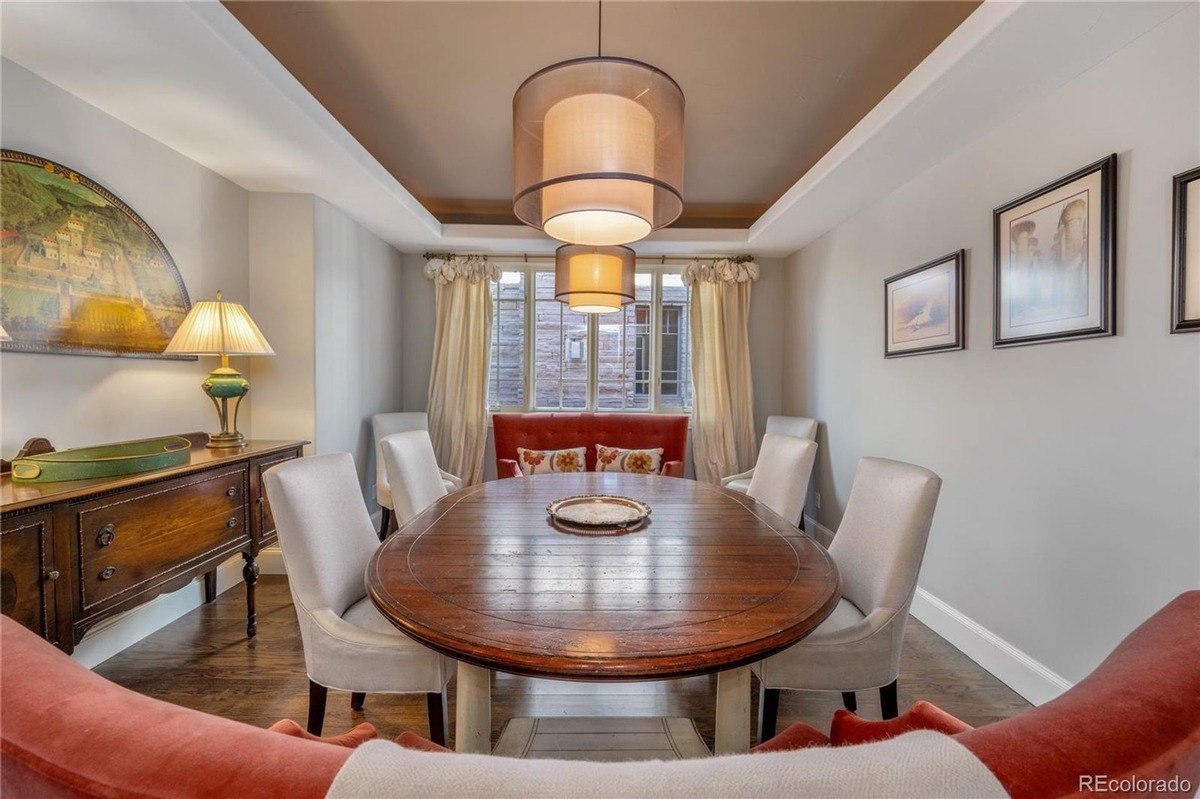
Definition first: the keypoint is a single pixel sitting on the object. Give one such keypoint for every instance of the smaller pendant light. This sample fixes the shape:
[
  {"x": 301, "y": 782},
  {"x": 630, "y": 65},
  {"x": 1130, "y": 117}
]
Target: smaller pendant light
[{"x": 594, "y": 279}]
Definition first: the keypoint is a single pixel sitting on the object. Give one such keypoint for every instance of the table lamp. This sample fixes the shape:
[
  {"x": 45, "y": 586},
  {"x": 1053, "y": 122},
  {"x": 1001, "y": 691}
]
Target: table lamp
[{"x": 221, "y": 328}]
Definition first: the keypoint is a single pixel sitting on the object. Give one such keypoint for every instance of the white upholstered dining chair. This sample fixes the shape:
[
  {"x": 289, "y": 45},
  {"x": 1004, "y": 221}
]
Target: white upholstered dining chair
[
  {"x": 382, "y": 426},
  {"x": 327, "y": 540},
  {"x": 413, "y": 473},
  {"x": 797, "y": 426},
  {"x": 781, "y": 476},
  {"x": 878, "y": 549}
]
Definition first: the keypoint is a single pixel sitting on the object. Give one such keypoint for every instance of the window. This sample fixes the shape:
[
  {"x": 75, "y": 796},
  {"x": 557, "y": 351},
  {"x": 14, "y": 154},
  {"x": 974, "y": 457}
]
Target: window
[{"x": 608, "y": 362}]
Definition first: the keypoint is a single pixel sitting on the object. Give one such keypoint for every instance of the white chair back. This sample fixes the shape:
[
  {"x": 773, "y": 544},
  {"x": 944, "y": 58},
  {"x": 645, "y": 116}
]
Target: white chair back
[
  {"x": 324, "y": 530},
  {"x": 382, "y": 426},
  {"x": 782, "y": 473},
  {"x": 413, "y": 473},
  {"x": 798, "y": 426},
  {"x": 880, "y": 543}
]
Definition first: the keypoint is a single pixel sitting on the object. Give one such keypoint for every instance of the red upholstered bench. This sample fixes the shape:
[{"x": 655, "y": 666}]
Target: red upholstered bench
[
  {"x": 70, "y": 733},
  {"x": 548, "y": 431}
]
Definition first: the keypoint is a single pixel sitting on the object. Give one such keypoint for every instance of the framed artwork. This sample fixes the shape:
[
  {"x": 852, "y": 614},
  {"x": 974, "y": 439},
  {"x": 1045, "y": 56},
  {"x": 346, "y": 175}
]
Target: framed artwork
[
  {"x": 80, "y": 272},
  {"x": 1055, "y": 254},
  {"x": 924, "y": 308},
  {"x": 1185, "y": 286}
]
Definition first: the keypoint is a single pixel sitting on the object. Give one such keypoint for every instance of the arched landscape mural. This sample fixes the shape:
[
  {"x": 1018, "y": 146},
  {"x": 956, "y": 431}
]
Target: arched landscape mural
[{"x": 80, "y": 271}]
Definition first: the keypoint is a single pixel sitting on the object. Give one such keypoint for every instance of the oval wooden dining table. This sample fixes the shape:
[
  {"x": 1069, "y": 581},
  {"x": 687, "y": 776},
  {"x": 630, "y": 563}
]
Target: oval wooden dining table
[{"x": 712, "y": 582}]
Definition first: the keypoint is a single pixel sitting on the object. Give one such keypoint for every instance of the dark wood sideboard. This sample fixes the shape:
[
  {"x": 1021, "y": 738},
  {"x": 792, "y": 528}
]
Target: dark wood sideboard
[{"x": 75, "y": 553}]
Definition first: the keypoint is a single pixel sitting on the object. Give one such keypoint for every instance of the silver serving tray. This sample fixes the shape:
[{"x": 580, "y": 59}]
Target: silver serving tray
[{"x": 599, "y": 510}]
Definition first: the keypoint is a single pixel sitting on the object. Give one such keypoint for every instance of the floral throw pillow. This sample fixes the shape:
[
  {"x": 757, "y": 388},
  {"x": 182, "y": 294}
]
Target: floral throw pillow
[
  {"x": 632, "y": 461},
  {"x": 542, "y": 461}
]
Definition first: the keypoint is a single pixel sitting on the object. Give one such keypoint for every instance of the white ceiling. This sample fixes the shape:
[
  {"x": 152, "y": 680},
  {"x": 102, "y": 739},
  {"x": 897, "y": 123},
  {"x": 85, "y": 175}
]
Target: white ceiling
[{"x": 191, "y": 76}]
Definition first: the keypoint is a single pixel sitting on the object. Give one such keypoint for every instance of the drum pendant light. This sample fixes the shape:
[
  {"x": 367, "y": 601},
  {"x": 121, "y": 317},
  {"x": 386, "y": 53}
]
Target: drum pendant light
[
  {"x": 594, "y": 279},
  {"x": 598, "y": 150}
]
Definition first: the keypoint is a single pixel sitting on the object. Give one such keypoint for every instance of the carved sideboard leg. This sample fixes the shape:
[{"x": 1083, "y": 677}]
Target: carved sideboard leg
[
  {"x": 250, "y": 575},
  {"x": 210, "y": 586}
]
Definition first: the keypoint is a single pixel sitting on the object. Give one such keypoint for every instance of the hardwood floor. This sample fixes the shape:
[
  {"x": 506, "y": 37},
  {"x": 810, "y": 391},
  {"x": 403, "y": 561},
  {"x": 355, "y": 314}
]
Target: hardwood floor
[{"x": 204, "y": 661}]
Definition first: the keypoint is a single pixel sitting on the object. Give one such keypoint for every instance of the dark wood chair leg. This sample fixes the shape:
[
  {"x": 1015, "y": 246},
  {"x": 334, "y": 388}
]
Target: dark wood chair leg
[
  {"x": 768, "y": 712},
  {"x": 210, "y": 586},
  {"x": 438, "y": 714},
  {"x": 888, "y": 700},
  {"x": 250, "y": 575},
  {"x": 317, "y": 695},
  {"x": 385, "y": 521},
  {"x": 356, "y": 700},
  {"x": 850, "y": 700}
]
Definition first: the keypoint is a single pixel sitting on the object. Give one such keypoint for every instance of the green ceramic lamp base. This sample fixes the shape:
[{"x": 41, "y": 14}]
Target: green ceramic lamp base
[{"x": 224, "y": 384}]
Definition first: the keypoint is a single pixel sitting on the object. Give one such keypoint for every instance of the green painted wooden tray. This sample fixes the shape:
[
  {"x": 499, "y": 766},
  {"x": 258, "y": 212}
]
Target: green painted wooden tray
[{"x": 106, "y": 460}]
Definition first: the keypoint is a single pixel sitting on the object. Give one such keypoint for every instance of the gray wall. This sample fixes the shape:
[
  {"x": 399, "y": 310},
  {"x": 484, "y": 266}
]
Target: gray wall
[
  {"x": 282, "y": 286},
  {"x": 1070, "y": 510},
  {"x": 334, "y": 292},
  {"x": 201, "y": 218},
  {"x": 360, "y": 336}
]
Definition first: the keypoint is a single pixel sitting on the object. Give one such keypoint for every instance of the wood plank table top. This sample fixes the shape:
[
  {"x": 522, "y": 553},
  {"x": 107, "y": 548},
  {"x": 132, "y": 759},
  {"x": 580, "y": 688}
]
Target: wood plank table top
[{"x": 713, "y": 581}]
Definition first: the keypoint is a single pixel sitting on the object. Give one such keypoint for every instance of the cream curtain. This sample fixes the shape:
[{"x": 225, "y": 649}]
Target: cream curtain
[
  {"x": 723, "y": 439},
  {"x": 458, "y": 379}
]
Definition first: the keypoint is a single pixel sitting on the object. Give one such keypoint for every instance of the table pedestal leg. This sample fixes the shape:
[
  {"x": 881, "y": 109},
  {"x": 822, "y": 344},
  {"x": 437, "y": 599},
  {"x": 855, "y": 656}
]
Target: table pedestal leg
[
  {"x": 733, "y": 711},
  {"x": 473, "y": 710}
]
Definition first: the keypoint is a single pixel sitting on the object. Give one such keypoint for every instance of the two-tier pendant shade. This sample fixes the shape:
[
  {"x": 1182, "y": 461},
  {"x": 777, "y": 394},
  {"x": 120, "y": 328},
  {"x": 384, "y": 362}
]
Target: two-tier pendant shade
[
  {"x": 594, "y": 279},
  {"x": 598, "y": 151}
]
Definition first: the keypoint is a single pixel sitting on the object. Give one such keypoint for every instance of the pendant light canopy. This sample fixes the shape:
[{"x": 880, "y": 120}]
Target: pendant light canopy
[
  {"x": 598, "y": 151},
  {"x": 594, "y": 279}
]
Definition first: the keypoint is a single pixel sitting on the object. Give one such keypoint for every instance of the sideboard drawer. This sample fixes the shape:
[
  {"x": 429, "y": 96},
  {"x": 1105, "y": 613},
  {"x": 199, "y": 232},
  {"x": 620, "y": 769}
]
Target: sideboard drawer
[{"x": 136, "y": 538}]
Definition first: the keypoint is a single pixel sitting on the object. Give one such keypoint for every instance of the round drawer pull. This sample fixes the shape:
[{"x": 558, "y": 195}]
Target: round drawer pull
[
  {"x": 231, "y": 491},
  {"x": 108, "y": 572},
  {"x": 232, "y": 522},
  {"x": 107, "y": 533},
  {"x": 52, "y": 575}
]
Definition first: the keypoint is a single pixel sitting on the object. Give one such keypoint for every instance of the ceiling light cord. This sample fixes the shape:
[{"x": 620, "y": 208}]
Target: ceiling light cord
[{"x": 599, "y": 28}]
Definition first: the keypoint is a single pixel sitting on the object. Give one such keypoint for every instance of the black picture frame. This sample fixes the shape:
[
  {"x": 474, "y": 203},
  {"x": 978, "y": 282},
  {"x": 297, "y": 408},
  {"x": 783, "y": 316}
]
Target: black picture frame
[
  {"x": 959, "y": 342},
  {"x": 1107, "y": 206},
  {"x": 1180, "y": 321}
]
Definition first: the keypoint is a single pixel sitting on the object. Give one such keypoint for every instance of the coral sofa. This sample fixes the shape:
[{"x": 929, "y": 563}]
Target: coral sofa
[
  {"x": 70, "y": 733},
  {"x": 563, "y": 430}
]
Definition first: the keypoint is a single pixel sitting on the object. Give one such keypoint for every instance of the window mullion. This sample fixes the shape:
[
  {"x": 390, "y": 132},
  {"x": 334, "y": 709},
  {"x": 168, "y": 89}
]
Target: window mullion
[
  {"x": 530, "y": 339},
  {"x": 656, "y": 343},
  {"x": 593, "y": 367}
]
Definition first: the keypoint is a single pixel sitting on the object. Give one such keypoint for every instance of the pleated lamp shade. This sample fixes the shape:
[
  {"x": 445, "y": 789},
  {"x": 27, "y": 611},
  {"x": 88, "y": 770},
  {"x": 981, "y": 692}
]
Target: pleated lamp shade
[
  {"x": 594, "y": 279},
  {"x": 218, "y": 328},
  {"x": 598, "y": 151}
]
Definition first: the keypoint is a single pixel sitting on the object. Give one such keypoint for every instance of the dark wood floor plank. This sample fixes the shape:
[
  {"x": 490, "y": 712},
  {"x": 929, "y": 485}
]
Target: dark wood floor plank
[{"x": 204, "y": 661}]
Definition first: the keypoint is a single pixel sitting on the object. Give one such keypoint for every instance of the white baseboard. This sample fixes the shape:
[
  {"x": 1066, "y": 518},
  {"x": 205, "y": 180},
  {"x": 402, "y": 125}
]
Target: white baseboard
[
  {"x": 1016, "y": 669},
  {"x": 270, "y": 561},
  {"x": 113, "y": 635}
]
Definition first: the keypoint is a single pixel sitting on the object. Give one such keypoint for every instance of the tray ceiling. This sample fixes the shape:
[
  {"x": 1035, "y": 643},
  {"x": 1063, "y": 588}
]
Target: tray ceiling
[{"x": 426, "y": 87}]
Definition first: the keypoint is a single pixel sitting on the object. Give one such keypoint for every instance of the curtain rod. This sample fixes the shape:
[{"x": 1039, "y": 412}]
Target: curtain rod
[{"x": 535, "y": 257}]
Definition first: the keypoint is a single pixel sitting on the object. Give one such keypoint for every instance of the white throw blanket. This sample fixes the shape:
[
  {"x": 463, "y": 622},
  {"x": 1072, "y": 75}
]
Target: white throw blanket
[{"x": 920, "y": 764}]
